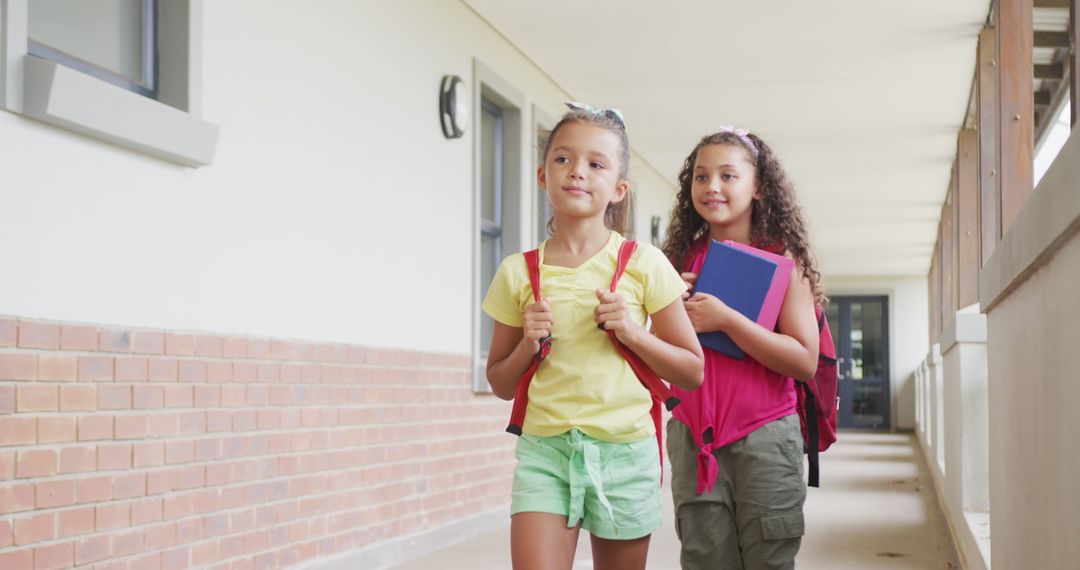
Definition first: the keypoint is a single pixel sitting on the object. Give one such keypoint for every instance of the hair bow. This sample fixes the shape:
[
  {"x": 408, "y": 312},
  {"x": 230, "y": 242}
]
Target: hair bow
[
  {"x": 612, "y": 112},
  {"x": 743, "y": 135}
]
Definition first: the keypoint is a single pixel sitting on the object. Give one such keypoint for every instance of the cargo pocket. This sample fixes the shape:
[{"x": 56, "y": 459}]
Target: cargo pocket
[{"x": 781, "y": 527}]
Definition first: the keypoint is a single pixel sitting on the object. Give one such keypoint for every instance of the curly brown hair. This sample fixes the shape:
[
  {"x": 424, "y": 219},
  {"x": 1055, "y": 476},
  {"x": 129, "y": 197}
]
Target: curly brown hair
[
  {"x": 776, "y": 219},
  {"x": 617, "y": 215}
]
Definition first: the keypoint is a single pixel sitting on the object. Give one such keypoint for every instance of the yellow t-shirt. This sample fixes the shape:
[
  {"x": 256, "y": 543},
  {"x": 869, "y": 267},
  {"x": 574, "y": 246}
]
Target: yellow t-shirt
[{"x": 584, "y": 382}]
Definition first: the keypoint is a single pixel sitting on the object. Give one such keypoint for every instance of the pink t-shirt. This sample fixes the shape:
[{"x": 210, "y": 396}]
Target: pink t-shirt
[{"x": 737, "y": 397}]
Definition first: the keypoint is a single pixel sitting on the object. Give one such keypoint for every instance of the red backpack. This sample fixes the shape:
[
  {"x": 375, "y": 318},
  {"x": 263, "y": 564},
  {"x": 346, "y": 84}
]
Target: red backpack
[
  {"x": 661, "y": 394},
  {"x": 818, "y": 400}
]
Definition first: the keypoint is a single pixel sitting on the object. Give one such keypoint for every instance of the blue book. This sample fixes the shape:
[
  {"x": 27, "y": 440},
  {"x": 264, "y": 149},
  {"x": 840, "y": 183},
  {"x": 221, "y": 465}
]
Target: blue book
[{"x": 741, "y": 280}]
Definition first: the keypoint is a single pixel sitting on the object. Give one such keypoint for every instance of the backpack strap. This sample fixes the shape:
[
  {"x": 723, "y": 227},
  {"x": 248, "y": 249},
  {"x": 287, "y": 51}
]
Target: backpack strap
[
  {"x": 649, "y": 378},
  {"x": 813, "y": 467},
  {"x": 661, "y": 394},
  {"x": 521, "y": 397},
  {"x": 532, "y": 262},
  {"x": 626, "y": 251},
  {"x": 812, "y": 435}
]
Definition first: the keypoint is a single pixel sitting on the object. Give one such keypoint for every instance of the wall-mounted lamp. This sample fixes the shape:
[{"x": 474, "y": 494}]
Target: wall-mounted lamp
[{"x": 453, "y": 106}]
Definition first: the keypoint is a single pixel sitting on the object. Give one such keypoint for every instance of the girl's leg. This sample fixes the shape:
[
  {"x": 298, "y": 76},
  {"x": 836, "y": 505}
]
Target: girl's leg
[
  {"x": 541, "y": 541},
  {"x": 707, "y": 534},
  {"x": 769, "y": 495},
  {"x": 620, "y": 554},
  {"x": 622, "y": 506},
  {"x": 704, "y": 523}
]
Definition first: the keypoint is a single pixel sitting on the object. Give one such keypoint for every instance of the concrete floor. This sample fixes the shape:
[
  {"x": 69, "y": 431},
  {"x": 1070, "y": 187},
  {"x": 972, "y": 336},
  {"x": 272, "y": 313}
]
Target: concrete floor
[{"x": 876, "y": 509}]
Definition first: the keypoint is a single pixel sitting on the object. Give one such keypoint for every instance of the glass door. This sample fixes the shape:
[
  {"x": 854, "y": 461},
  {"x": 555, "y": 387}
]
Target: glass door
[{"x": 860, "y": 328}]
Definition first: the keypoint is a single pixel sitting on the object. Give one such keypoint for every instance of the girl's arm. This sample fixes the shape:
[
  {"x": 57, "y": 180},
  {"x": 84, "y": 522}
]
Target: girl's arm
[
  {"x": 673, "y": 352},
  {"x": 512, "y": 348},
  {"x": 793, "y": 351}
]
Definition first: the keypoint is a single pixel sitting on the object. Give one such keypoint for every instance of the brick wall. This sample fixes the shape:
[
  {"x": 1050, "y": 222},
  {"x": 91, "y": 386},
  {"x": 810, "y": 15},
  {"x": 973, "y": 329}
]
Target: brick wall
[{"x": 132, "y": 448}]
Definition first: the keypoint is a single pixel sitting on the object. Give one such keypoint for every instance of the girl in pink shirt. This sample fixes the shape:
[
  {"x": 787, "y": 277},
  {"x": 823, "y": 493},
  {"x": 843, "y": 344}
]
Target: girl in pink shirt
[{"x": 735, "y": 444}]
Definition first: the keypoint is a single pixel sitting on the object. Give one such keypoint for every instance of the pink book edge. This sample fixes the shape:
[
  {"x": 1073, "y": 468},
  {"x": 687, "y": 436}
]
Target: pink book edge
[{"x": 774, "y": 299}]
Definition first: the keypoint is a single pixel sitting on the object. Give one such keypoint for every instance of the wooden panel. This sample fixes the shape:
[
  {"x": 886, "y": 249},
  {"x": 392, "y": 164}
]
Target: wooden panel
[
  {"x": 1074, "y": 67},
  {"x": 948, "y": 308},
  {"x": 967, "y": 206},
  {"x": 989, "y": 188},
  {"x": 934, "y": 287},
  {"x": 1016, "y": 100},
  {"x": 954, "y": 271}
]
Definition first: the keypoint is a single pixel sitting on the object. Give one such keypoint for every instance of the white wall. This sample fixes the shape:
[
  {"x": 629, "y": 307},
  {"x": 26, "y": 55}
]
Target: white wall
[
  {"x": 908, "y": 333},
  {"x": 334, "y": 210},
  {"x": 655, "y": 196}
]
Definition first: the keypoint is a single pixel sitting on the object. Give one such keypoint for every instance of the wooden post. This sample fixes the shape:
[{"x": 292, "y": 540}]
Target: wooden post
[
  {"x": 934, "y": 289},
  {"x": 954, "y": 239},
  {"x": 1015, "y": 39},
  {"x": 948, "y": 281},
  {"x": 967, "y": 206},
  {"x": 1074, "y": 67},
  {"x": 989, "y": 181}
]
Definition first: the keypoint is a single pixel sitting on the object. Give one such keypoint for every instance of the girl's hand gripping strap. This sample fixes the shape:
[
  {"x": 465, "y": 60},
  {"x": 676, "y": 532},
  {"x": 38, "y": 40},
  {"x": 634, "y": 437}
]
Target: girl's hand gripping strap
[
  {"x": 521, "y": 398},
  {"x": 649, "y": 378}
]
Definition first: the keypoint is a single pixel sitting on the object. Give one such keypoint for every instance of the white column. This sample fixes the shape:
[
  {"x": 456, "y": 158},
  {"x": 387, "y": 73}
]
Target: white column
[
  {"x": 966, "y": 433},
  {"x": 935, "y": 433}
]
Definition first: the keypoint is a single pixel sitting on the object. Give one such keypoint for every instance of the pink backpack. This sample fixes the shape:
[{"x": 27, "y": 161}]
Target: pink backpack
[{"x": 818, "y": 401}]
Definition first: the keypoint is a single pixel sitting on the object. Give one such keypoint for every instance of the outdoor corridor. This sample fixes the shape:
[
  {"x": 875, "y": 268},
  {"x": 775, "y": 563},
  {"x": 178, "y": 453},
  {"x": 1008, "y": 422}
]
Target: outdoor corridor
[
  {"x": 875, "y": 509},
  {"x": 242, "y": 317}
]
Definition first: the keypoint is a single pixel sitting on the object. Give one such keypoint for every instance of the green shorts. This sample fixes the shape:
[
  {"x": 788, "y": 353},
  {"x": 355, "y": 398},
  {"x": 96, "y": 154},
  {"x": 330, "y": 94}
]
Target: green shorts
[{"x": 613, "y": 489}]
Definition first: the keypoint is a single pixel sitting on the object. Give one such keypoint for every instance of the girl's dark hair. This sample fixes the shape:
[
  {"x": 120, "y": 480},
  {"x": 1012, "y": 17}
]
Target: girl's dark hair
[
  {"x": 775, "y": 220},
  {"x": 616, "y": 217}
]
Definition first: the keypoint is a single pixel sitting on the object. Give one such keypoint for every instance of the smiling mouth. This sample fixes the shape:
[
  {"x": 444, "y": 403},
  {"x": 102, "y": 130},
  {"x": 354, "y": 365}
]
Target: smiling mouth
[{"x": 714, "y": 203}]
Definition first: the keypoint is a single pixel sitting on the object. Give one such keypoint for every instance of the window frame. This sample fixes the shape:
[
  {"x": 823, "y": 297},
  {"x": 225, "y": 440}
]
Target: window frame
[
  {"x": 168, "y": 127},
  {"x": 491, "y": 228},
  {"x": 514, "y": 211},
  {"x": 542, "y": 123},
  {"x": 148, "y": 57},
  {"x": 494, "y": 228}
]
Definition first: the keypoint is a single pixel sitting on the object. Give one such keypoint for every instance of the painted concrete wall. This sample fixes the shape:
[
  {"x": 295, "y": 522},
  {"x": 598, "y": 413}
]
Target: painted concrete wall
[
  {"x": 1034, "y": 393},
  {"x": 1029, "y": 290},
  {"x": 908, "y": 325},
  {"x": 332, "y": 203}
]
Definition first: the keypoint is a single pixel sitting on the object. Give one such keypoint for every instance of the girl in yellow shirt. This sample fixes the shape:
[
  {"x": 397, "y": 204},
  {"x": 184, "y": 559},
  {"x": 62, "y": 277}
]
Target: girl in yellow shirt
[{"x": 587, "y": 456}]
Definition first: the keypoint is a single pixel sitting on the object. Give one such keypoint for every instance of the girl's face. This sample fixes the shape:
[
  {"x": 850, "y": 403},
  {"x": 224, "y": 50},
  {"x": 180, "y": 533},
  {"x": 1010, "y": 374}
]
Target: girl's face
[
  {"x": 581, "y": 171},
  {"x": 724, "y": 186}
]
